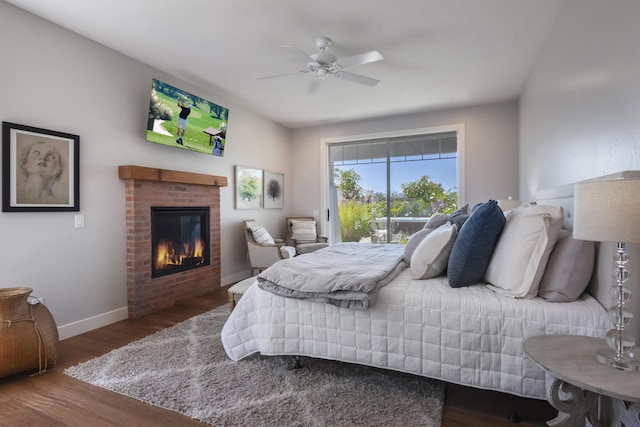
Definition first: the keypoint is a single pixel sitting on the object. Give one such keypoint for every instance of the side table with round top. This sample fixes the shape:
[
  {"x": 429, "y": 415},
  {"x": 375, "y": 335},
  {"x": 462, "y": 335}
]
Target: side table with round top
[{"x": 585, "y": 392}]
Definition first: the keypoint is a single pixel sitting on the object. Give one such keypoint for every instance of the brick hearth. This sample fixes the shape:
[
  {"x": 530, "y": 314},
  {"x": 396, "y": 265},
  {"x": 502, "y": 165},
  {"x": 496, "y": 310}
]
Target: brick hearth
[{"x": 146, "y": 187}]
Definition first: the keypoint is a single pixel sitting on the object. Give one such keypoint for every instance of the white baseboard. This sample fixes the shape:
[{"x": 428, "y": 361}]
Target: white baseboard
[
  {"x": 94, "y": 322},
  {"x": 85, "y": 325}
]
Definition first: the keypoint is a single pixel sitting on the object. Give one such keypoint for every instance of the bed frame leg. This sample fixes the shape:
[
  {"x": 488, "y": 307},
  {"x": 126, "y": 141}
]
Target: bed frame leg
[
  {"x": 513, "y": 415},
  {"x": 297, "y": 364}
]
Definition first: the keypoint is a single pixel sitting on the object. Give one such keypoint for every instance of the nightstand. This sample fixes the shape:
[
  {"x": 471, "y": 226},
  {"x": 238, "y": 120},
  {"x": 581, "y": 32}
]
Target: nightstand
[{"x": 585, "y": 390}]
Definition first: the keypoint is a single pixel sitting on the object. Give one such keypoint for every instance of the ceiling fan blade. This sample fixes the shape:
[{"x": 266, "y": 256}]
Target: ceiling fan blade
[
  {"x": 301, "y": 52},
  {"x": 357, "y": 78},
  {"x": 283, "y": 74},
  {"x": 361, "y": 59}
]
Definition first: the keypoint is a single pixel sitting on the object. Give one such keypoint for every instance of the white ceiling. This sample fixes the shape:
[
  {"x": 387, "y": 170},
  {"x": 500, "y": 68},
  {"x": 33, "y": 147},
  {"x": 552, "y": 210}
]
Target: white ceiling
[{"x": 438, "y": 53}]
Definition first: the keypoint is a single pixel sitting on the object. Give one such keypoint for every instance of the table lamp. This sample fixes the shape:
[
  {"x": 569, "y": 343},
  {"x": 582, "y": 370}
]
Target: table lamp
[
  {"x": 609, "y": 211},
  {"x": 509, "y": 203}
]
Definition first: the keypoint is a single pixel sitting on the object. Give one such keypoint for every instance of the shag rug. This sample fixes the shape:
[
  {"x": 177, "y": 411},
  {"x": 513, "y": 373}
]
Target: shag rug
[{"x": 184, "y": 369}]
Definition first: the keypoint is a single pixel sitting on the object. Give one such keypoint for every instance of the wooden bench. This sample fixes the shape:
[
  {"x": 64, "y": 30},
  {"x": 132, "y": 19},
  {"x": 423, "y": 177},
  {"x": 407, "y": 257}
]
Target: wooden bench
[{"x": 236, "y": 291}]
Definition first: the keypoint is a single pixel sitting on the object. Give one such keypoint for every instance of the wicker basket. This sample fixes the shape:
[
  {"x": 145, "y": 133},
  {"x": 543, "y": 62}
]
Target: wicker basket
[{"x": 28, "y": 334}]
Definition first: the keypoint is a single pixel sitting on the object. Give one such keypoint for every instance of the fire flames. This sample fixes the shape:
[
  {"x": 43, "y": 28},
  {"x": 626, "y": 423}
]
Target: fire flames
[{"x": 168, "y": 254}]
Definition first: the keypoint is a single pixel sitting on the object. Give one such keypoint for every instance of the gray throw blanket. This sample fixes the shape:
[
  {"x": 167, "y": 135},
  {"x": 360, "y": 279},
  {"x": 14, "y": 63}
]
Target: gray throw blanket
[{"x": 346, "y": 274}]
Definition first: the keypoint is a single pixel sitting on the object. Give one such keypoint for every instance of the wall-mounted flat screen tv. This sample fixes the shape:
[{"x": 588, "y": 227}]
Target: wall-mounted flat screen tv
[{"x": 180, "y": 119}]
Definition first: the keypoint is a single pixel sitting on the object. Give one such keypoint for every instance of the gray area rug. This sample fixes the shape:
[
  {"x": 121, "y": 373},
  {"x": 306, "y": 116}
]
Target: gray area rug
[{"x": 184, "y": 369}]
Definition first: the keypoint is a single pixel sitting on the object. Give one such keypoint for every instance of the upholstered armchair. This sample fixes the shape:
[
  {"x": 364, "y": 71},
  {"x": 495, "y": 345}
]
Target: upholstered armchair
[
  {"x": 302, "y": 233},
  {"x": 264, "y": 250}
]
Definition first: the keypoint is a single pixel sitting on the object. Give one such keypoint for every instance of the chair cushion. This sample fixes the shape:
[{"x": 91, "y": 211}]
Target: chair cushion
[
  {"x": 288, "y": 251},
  {"x": 261, "y": 235},
  {"x": 306, "y": 248},
  {"x": 303, "y": 231}
]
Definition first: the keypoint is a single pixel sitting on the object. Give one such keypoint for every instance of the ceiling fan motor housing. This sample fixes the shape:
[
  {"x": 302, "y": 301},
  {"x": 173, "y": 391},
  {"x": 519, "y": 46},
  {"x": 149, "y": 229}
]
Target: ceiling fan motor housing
[{"x": 323, "y": 42}]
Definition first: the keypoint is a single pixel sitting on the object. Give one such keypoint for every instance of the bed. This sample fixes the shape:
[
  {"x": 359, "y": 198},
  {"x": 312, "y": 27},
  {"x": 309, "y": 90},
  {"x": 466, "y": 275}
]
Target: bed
[{"x": 470, "y": 335}]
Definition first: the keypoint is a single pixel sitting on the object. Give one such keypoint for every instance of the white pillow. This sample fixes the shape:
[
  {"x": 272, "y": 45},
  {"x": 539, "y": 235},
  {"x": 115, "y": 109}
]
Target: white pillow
[
  {"x": 431, "y": 257},
  {"x": 261, "y": 235},
  {"x": 303, "y": 231},
  {"x": 521, "y": 254}
]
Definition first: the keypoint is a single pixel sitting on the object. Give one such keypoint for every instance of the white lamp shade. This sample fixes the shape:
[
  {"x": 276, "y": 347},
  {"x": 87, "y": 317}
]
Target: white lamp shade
[{"x": 607, "y": 211}]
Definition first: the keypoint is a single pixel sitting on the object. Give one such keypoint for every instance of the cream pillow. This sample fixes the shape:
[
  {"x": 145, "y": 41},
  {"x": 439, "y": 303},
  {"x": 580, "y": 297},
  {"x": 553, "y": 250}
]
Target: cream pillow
[
  {"x": 303, "y": 231},
  {"x": 261, "y": 235},
  {"x": 521, "y": 254},
  {"x": 431, "y": 256}
]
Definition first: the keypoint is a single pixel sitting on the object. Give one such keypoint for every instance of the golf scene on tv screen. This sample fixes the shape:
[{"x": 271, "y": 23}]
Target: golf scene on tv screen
[{"x": 180, "y": 119}]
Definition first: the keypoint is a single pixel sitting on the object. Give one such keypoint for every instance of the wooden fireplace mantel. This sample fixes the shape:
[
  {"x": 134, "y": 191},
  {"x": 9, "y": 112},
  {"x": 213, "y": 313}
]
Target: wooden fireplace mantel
[{"x": 166, "y": 175}]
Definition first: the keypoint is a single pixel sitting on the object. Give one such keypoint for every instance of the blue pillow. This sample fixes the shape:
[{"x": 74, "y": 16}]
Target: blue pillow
[
  {"x": 474, "y": 246},
  {"x": 459, "y": 217}
]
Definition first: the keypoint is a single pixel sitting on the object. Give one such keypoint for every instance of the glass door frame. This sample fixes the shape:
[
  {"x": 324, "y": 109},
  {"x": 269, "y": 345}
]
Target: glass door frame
[{"x": 458, "y": 128}]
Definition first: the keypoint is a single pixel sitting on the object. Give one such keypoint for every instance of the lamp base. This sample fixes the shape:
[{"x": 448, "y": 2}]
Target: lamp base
[{"x": 626, "y": 362}]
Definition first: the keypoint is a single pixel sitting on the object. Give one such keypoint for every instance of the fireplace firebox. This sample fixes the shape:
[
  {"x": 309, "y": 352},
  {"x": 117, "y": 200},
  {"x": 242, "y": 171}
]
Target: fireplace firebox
[{"x": 179, "y": 239}]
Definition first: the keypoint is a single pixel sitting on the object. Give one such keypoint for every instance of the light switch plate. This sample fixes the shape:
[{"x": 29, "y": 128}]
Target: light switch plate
[{"x": 79, "y": 221}]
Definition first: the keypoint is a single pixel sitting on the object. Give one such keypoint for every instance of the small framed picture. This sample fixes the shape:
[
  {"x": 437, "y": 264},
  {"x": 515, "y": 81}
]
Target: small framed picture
[
  {"x": 248, "y": 183},
  {"x": 40, "y": 169},
  {"x": 273, "y": 190}
]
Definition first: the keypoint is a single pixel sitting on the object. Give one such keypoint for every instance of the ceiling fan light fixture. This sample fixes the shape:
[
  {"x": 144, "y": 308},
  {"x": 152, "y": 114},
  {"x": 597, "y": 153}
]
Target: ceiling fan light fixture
[{"x": 324, "y": 58}]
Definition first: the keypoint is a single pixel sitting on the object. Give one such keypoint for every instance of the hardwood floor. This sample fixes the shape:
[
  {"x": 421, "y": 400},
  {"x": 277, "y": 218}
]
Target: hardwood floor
[{"x": 55, "y": 399}]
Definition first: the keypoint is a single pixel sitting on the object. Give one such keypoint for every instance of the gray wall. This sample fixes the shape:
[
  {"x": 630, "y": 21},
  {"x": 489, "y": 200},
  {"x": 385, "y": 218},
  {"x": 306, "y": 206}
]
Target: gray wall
[
  {"x": 55, "y": 79},
  {"x": 491, "y": 150},
  {"x": 580, "y": 109}
]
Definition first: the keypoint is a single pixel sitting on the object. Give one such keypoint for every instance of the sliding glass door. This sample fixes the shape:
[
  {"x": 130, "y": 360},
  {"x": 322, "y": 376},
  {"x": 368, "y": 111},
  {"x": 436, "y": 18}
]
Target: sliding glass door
[{"x": 385, "y": 189}]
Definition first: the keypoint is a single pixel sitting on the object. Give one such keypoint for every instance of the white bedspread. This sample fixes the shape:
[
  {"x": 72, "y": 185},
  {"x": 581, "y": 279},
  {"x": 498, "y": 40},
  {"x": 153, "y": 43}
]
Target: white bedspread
[{"x": 470, "y": 336}]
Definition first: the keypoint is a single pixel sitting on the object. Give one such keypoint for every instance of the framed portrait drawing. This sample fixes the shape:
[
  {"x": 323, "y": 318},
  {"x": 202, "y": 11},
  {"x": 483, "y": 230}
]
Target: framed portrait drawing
[
  {"x": 40, "y": 169},
  {"x": 248, "y": 186},
  {"x": 273, "y": 190}
]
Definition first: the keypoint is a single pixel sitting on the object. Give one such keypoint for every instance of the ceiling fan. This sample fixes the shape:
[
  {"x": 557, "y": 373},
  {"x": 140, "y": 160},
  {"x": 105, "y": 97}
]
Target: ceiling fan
[{"x": 323, "y": 64}]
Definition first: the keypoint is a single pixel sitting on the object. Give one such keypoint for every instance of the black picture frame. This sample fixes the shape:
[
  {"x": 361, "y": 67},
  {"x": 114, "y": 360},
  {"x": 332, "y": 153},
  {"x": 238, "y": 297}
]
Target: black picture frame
[
  {"x": 40, "y": 169},
  {"x": 273, "y": 192}
]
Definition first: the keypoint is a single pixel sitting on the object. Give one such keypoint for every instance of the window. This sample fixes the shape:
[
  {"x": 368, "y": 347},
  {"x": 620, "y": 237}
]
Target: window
[{"x": 383, "y": 189}]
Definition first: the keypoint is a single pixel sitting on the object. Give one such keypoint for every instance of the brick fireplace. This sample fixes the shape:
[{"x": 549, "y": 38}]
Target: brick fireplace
[{"x": 150, "y": 187}]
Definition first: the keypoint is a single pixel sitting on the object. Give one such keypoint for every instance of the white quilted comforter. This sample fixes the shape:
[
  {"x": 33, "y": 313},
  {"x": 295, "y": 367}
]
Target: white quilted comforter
[{"x": 470, "y": 336}]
